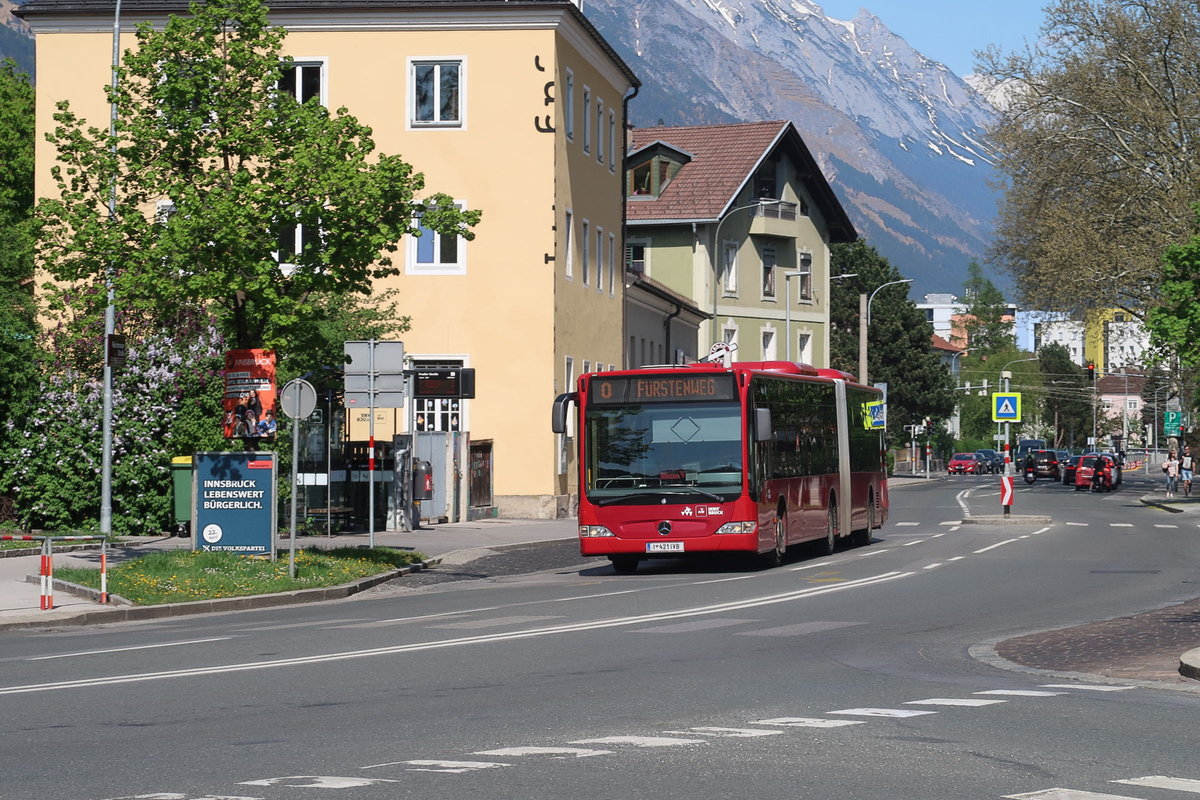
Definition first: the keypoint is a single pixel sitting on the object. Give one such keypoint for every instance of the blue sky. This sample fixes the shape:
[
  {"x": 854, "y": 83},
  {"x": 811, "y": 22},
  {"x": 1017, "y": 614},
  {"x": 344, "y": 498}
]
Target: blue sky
[{"x": 949, "y": 31}]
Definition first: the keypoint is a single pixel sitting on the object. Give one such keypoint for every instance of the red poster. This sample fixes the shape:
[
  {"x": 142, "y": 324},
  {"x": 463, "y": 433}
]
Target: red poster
[{"x": 250, "y": 409}]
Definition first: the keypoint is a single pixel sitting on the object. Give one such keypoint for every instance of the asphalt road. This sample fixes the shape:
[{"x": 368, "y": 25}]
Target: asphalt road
[{"x": 872, "y": 673}]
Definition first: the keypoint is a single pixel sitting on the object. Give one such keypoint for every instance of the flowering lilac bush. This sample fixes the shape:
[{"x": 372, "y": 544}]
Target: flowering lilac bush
[{"x": 166, "y": 402}]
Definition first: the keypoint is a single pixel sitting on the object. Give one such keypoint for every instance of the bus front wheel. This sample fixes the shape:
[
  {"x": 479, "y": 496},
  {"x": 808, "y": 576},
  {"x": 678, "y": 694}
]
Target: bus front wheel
[
  {"x": 830, "y": 542},
  {"x": 624, "y": 565},
  {"x": 774, "y": 557}
]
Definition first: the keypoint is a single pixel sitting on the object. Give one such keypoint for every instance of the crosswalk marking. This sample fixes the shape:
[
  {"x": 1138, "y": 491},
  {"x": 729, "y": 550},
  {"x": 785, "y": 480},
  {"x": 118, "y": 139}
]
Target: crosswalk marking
[
  {"x": 556, "y": 752},
  {"x": 695, "y": 625},
  {"x": 731, "y": 733},
  {"x": 641, "y": 741},
  {"x": 906, "y": 524},
  {"x": 1066, "y": 794},
  {"x": 1120, "y": 524},
  {"x": 808, "y": 722},
  {"x": 1165, "y": 526},
  {"x": 1086, "y": 687},
  {"x": 1022, "y": 693},
  {"x": 881, "y": 712},
  {"x": 1078, "y": 524},
  {"x": 953, "y": 701},
  {"x": 1163, "y": 782}
]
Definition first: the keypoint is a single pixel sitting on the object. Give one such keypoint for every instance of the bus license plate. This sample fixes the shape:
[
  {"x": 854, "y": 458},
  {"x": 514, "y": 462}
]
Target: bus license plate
[{"x": 664, "y": 547}]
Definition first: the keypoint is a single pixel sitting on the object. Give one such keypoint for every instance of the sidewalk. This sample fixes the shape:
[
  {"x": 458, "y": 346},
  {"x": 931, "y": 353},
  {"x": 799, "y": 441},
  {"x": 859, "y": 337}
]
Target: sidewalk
[{"x": 455, "y": 542}]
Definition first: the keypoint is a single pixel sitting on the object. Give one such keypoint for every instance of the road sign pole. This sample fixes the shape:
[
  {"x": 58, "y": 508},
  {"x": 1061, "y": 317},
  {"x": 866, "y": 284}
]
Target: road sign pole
[{"x": 371, "y": 444}]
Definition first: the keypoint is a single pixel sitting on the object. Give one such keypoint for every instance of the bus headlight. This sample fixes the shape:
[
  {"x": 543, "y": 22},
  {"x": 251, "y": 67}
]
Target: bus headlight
[
  {"x": 738, "y": 527},
  {"x": 594, "y": 531}
]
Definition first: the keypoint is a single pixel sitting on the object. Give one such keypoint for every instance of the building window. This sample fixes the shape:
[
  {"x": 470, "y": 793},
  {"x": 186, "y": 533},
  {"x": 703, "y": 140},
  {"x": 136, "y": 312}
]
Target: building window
[
  {"x": 303, "y": 80},
  {"x": 569, "y": 245},
  {"x": 768, "y": 345},
  {"x": 729, "y": 267},
  {"x": 729, "y": 334},
  {"x": 612, "y": 263},
  {"x": 436, "y": 91},
  {"x": 585, "y": 253},
  {"x": 635, "y": 257},
  {"x": 569, "y": 105},
  {"x": 768, "y": 271},
  {"x": 804, "y": 281},
  {"x": 599, "y": 258},
  {"x": 612, "y": 141},
  {"x": 600, "y": 131},
  {"x": 804, "y": 348},
  {"x": 587, "y": 120},
  {"x": 433, "y": 253}
]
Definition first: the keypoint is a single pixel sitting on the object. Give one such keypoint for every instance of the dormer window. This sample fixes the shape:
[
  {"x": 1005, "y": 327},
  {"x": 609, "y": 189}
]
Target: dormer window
[{"x": 650, "y": 178}]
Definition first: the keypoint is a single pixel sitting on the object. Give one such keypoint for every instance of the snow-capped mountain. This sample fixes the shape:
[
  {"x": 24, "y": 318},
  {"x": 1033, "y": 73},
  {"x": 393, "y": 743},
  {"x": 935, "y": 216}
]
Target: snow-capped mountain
[{"x": 899, "y": 136}]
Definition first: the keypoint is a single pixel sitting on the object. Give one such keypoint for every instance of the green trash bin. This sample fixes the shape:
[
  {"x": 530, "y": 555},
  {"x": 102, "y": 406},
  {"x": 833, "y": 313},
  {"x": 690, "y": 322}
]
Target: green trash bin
[{"x": 181, "y": 485}]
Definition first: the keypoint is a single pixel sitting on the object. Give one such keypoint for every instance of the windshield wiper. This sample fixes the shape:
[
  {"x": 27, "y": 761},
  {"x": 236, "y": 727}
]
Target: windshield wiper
[{"x": 671, "y": 490}]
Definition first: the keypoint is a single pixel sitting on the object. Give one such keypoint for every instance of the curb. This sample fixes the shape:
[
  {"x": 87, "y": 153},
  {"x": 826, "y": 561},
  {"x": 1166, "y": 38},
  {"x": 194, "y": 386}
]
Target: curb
[
  {"x": 128, "y": 613},
  {"x": 1189, "y": 664},
  {"x": 1013, "y": 519}
]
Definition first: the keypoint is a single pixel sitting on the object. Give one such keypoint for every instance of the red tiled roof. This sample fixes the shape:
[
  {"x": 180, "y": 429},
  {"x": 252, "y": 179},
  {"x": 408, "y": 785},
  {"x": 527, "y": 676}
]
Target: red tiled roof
[
  {"x": 939, "y": 343},
  {"x": 723, "y": 159}
]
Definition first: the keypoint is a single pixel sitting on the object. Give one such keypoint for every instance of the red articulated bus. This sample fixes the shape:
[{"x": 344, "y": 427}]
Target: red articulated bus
[{"x": 752, "y": 457}]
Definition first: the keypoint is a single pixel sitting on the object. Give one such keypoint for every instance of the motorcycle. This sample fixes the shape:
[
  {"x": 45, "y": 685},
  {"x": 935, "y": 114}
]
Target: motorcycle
[{"x": 1030, "y": 474}]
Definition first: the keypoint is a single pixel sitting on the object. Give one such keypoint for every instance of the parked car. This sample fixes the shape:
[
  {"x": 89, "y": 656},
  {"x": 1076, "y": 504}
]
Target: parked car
[
  {"x": 1045, "y": 464},
  {"x": 1086, "y": 473},
  {"x": 1117, "y": 463},
  {"x": 1068, "y": 469},
  {"x": 995, "y": 461},
  {"x": 966, "y": 464}
]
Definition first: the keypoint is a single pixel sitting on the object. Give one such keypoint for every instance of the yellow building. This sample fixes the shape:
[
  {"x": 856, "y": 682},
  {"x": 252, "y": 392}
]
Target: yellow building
[
  {"x": 1114, "y": 339},
  {"x": 533, "y": 137}
]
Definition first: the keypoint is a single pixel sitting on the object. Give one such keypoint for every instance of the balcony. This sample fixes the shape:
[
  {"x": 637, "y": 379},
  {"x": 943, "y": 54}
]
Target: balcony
[{"x": 774, "y": 218}]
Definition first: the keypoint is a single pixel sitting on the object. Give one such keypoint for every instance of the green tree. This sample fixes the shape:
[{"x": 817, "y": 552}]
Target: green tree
[
  {"x": 1068, "y": 397},
  {"x": 899, "y": 347},
  {"x": 214, "y": 167},
  {"x": 1097, "y": 136},
  {"x": 1175, "y": 324},
  {"x": 18, "y": 327},
  {"x": 987, "y": 329}
]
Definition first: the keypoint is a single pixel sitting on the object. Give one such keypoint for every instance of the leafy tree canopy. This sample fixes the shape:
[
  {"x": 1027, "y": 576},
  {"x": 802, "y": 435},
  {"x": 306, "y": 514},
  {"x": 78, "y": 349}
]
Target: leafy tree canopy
[
  {"x": 899, "y": 350},
  {"x": 987, "y": 329},
  {"x": 1096, "y": 142},
  {"x": 214, "y": 166}
]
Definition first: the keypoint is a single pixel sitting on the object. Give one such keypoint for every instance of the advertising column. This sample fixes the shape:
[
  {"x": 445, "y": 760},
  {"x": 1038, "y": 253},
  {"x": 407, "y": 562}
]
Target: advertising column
[{"x": 234, "y": 502}]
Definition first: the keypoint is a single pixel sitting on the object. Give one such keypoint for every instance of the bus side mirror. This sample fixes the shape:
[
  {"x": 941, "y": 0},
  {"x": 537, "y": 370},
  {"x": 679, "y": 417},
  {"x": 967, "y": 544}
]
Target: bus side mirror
[
  {"x": 762, "y": 425},
  {"x": 558, "y": 415}
]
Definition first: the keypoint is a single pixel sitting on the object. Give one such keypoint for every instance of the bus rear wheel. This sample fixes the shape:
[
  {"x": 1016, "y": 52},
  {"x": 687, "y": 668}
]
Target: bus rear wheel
[
  {"x": 863, "y": 537},
  {"x": 624, "y": 565}
]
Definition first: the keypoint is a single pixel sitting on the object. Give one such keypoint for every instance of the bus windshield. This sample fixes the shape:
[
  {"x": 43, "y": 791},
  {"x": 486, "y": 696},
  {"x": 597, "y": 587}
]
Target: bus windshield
[{"x": 639, "y": 451}]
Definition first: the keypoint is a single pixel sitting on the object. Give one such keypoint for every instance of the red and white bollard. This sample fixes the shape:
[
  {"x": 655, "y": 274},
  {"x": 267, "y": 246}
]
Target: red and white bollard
[
  {"x": 47, "y": 575},
  {"x": 1006, "y": 493}
]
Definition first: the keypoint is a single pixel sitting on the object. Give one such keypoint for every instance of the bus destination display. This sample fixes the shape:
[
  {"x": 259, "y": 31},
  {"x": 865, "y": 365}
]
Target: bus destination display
[{"x": 661, "y": 389}]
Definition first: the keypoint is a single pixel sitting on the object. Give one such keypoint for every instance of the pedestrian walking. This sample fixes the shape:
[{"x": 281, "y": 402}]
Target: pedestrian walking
[
  {"x": 1171, "y": 468},
  {"x": 1185, "y": 470}
]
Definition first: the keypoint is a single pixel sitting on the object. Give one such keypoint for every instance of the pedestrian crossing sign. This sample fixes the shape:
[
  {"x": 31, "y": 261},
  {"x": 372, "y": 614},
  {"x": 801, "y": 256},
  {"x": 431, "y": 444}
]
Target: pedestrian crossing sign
[{"x": 1006, "y": 407}]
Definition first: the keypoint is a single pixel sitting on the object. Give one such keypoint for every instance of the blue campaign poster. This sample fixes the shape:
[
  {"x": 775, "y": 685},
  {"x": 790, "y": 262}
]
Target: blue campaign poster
[{"x": 233, "y": 502}]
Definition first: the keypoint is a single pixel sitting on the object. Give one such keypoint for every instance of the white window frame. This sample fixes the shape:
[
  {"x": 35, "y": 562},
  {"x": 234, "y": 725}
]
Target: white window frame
[
  {"x": 569, "y": 245},
  {"x": 321, "y": 63},
  {"x": 804, "y": 292},
  {"x": 612, "y": 140},
  {"x": 770, "y": 344},
  {"x": 804, "y": 341},
  {"x": 645, "y": 245},
  {"x": 437, "y": 267},
  {"x": 413, "y": 124}
]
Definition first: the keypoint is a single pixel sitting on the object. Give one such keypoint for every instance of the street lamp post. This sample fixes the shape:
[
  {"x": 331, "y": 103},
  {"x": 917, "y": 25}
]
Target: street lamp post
[
  {"x": 717, "y": 246},
  {"x": 864, "y": 322}
]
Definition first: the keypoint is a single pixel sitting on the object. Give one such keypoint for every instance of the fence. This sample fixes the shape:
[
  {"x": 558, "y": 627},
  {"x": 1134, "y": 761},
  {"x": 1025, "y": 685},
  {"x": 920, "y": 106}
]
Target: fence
[{"x": 46, "y": 571}]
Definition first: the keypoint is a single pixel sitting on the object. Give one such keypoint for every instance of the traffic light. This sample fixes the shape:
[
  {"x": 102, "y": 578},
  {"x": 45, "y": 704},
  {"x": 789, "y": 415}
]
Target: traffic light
[{"x": 1091, "y": 373}]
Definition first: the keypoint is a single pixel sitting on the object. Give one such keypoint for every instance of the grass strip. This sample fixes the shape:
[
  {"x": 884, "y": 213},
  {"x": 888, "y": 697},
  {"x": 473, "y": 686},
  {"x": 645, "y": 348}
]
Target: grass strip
[{"x": 179, "y": 576}]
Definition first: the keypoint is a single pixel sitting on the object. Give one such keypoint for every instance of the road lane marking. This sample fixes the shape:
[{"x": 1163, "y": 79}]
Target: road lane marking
[
  {"x": 318, "y": 782},
  {"x": 1164, "y": 782},
  {"x": 641, "y": 741},
  {"x": 1120, "y": 524},
  {"x": 994, "y": 546},
  {"x": 493, "y": 622},
  {"x": 1078, "y": 524},
  {"x": 127, "y": 649},
  {"x": 348, "y": 655},
  {"x": 1165, "y": 526},
  {"x": 557, "y": 752},
  {"x": 953, "y": 701},
  {"x": 934, "y": 565},
  {"x": 730, "y": 733},
  {"x": 800, "y": 629},
  {"x": 695, "y": 625},
  {"x": 1066, "y": 794},
  {"x": 910, "y": 544},
  {"x": 1086, "y": 687},
  {"x": 897, "y": 713},
  {"x": 1022, "y": 693},
  {"x": 906, "y": 524},
  {"x": 808, "y": 722}
]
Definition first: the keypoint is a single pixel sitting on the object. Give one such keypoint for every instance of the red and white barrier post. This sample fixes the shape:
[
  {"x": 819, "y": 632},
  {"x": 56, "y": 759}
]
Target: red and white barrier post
[
  {"x": 47, "y": 575},
  {"x": 1006, "y": 493}
]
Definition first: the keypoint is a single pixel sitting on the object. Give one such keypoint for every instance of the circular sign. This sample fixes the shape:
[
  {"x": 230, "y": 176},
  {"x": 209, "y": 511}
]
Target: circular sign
[
  {"x": 298, "y": 398},
  {"x": 212, "y": 533}
]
